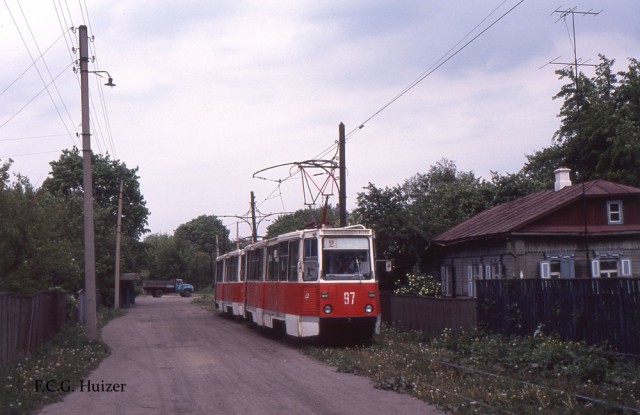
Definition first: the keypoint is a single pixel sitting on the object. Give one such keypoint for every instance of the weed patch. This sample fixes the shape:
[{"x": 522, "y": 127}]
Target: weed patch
[
  {"x": 474, "y": 372},
  {"x": 62, "y": 361}
]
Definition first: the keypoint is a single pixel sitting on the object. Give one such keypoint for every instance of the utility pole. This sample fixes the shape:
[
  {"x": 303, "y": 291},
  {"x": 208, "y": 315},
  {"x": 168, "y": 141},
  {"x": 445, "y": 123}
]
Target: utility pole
[
  {"x": 87, "y": 185},
  {"x": 116, "y": 303},
  {"x": 342, "y": 199},
  {"x": 254, "y": 229}
]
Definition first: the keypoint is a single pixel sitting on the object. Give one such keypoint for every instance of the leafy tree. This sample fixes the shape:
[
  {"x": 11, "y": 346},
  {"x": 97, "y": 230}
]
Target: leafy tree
[
  {"x": 66, "y": 177},
  {"x": 164, "y": 259},
  {"x": 201, "y": 239},
  {"x": 406, "y": 218},
  {"x": 66, "y": 181},
  {"x": 599, "y": 132},
  {"x": 38, "y": 249}
]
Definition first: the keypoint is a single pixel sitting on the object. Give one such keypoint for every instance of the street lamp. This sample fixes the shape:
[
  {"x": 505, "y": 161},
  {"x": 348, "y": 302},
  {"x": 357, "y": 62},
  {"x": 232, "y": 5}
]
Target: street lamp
[
  {"x": 110, "y": 79},
  {"x": 87, "y": 184}
]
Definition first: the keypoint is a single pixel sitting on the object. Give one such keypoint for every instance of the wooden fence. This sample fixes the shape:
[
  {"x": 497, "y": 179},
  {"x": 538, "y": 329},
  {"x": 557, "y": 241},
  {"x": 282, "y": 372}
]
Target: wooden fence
[
  {"x": 592, "y": 310},
  {"x": 430, "y": 315},
  {"x": 27, "y": 321}
]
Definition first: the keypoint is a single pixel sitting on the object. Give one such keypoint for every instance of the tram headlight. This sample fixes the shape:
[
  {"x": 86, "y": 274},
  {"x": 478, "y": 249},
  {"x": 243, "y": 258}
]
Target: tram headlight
[
  {"x": 368, "y": 309},
  {"x": 328, "y": 309}
]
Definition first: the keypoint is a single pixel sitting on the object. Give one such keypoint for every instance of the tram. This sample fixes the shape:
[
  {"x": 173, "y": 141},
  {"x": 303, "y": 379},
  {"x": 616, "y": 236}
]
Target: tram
[{"x": 314, "y": 282}]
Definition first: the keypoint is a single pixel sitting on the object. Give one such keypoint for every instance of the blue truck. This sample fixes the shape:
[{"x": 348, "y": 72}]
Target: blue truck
[{"x": 159, "y": 287}]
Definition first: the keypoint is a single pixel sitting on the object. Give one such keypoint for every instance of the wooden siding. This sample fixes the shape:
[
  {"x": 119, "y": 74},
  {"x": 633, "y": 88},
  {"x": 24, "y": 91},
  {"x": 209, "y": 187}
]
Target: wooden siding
[{"x": 572, "y": 215}]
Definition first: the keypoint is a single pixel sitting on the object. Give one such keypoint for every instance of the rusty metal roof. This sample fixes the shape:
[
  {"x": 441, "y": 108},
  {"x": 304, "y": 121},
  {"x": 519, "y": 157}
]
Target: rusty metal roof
[{"x": 509, "y": 217}]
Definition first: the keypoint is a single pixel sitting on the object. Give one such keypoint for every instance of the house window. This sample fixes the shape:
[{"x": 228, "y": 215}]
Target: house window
[
  {"x": 614, "y": 212},
  {"x": 558, "y": 266},
  {"x": 493, "y": 271},
  {"x": 445, "y": 275},
  {"x": 474, "y": 272},
  {"x": 610, "y": 266}
]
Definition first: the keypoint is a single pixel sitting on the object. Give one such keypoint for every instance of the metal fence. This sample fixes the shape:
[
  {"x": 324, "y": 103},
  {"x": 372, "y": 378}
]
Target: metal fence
[
  {"x": 27, "y": 321},
  {"x": 593, "y": 310}
]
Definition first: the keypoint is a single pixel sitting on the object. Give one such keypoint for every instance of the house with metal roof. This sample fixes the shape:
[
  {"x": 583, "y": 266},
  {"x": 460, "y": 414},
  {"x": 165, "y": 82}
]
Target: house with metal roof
[{"x": 585, "y": 230}]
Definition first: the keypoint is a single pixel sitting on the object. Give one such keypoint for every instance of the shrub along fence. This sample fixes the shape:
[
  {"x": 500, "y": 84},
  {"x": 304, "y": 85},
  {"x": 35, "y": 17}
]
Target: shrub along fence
[
  {"x": 593, "y": 310},
  {"x": 428, "y": 314},
  {"x": 27, "y": 321}
]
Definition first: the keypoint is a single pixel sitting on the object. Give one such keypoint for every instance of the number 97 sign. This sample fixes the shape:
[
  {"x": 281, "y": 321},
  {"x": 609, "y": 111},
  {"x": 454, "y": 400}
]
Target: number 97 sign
[{"x": 349, "y": 297}]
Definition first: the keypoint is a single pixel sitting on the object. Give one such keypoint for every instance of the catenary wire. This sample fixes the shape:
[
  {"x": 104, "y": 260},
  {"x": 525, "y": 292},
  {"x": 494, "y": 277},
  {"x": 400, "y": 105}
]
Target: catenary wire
[{"x": 443, "y": 60}]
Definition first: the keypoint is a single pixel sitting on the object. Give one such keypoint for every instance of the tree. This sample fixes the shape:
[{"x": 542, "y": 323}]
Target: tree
[
  {"x": 66, "y": 177},
  {"x": 65, "y": 181},
  {"x": 200, "y": 240},
  {"x": 406, "y": 218},
  {"x": 599, "y": 132},
  {"x": 164, "y": 259},
  {"x": 38, "y": 247}
]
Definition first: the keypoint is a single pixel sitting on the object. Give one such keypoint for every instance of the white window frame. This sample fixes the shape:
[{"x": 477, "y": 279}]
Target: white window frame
[
  {"x": 623, "y": 267},
  {"x": 617, "y": 212},
  {"x": 563, "y": 262}
]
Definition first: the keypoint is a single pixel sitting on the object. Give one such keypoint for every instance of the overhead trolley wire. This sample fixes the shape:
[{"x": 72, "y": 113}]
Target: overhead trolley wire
[{"x": 437, "y": 65}]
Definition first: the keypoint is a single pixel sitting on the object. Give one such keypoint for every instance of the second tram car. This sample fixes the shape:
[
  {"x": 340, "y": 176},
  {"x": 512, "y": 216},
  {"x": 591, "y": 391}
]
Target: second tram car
[{"x": 311, "y": 282}]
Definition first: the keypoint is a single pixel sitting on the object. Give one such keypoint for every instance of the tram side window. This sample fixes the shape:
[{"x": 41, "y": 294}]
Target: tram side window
[
  {"x": 272, "y": 263},
  {"x": 231, "y": 267},
  {"x": 310, "y": 260},
  {"x": 293, "y": 260},
  {"x": 284, "y": 261},
  {"x": 254, "y": 265},
  {"x": 219, "y": 271}
]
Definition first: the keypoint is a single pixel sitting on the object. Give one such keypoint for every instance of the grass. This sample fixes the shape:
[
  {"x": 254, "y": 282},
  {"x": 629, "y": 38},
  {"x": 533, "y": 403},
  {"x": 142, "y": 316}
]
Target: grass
[
  {"x": 477, "y": 373},
  {"x": 64, "y": 360}
]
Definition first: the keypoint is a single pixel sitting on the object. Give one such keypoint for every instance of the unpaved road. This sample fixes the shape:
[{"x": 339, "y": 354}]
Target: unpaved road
[{"x": 173, "y": 358}]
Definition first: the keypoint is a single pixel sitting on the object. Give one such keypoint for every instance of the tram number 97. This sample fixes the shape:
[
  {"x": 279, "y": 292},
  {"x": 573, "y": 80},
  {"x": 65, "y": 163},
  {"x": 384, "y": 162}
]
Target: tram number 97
[{"x": 349, "y": 297}]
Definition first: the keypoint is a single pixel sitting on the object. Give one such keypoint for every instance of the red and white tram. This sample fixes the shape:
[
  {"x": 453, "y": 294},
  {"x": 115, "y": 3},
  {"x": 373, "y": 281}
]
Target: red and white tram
[{"x": 311, "y": 282}]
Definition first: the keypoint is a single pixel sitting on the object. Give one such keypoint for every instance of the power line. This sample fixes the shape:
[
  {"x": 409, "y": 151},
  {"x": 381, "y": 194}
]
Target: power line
[
  {"x": 38, "y": 71},
  {"x": 439, "y": 63}
]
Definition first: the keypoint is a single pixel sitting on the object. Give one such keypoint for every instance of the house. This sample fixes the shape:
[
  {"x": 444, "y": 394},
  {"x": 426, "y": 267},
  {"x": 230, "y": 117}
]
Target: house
[{"x": 590, "y": 229}]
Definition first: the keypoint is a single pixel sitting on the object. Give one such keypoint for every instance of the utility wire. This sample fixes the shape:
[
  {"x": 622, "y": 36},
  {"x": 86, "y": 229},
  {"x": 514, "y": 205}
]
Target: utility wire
[
  {"x": 439, "y": 63},
  {"x": 35, "y": 96},
  {"x": 39, "y": 73}
]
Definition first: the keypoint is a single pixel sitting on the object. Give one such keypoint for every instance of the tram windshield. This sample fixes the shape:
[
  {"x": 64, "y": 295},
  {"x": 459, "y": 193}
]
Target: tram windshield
[{"x": 346, "y": 259}]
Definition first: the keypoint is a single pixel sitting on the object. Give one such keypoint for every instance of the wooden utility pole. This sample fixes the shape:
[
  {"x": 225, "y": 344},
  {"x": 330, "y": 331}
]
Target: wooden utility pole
[{"x": 342, "y": 199}]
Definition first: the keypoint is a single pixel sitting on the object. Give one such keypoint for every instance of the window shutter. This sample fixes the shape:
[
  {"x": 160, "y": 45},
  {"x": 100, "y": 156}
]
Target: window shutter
[
  {"x": 545, "y": 270},
  {"x": 626, "y": 267},
  {"x": 443, "y": 277},
  {"x": 487, "y": 272},
  {"x": 595, "y": 268},
  {"x": 567, "y": 269}
]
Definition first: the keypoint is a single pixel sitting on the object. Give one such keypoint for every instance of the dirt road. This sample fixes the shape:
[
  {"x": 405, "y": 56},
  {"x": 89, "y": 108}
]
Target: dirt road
[{"x": 172, "y": 357}]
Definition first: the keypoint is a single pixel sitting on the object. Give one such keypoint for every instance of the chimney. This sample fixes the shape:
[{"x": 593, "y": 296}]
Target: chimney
[{"x": 562, "y": 178}]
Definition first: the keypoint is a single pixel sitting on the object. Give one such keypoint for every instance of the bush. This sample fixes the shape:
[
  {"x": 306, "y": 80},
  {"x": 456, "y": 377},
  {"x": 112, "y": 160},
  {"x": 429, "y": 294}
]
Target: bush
[{"x": 419, "y": 284}]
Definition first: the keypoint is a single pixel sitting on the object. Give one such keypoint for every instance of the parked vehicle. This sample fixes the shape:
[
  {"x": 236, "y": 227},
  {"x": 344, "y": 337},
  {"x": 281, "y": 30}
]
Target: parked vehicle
[
  {"x": 314, "y": 282},
  {"x": 158, "y": 287}
]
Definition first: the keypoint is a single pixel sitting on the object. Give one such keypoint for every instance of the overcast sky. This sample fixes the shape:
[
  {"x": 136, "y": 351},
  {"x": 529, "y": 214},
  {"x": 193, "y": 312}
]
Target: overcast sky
[{"x": 210, "y": 92}]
